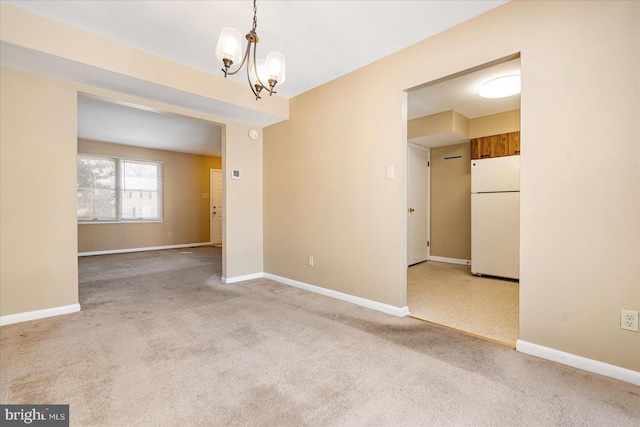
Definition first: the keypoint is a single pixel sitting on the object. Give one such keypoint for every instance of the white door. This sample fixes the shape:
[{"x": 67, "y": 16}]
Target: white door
[
  {"x": 418, "y": 203},
  {"x": 216, "y": 207}
]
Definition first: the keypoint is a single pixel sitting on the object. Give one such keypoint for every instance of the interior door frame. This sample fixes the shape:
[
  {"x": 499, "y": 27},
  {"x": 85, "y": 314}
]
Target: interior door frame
[
  {"x": 211, "y": 191},
  {"x": 405, "y": 149},
  {"x": 428, "y": 151}
]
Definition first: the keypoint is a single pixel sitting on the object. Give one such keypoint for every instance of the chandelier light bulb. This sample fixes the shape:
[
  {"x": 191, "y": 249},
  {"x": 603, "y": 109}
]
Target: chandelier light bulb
[
  {"x": 501, "y": 87},
  {"x": 229, "y": 45},
  {"x": 263, "y": 73},
  {"x": 276, "y": 67}
]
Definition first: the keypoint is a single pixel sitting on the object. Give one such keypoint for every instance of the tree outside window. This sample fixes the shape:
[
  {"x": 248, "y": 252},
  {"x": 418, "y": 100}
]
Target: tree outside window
[
  {"x": 96, "y": 188},
  {"x": 111, "y": 189}
]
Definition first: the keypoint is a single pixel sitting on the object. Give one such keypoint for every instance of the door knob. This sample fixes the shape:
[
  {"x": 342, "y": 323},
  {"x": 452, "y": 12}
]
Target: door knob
[{"x": 411, "y": 210}]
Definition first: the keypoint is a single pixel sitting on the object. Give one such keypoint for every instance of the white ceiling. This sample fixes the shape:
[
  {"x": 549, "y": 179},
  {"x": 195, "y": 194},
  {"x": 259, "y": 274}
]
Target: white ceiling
[
  {"x": 101, "y": 120},
  {"x": 321, "y": 40},
  {"x": 461, "y": 94}
]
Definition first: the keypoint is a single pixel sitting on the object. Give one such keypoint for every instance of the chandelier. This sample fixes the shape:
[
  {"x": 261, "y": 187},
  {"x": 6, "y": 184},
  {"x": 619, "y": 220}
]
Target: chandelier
[{"x": 261, "y": 74}]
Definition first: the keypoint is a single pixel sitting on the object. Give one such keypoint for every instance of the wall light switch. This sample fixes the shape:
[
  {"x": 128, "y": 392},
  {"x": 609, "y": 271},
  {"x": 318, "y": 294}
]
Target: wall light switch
[{"x": 389, "y": 172}]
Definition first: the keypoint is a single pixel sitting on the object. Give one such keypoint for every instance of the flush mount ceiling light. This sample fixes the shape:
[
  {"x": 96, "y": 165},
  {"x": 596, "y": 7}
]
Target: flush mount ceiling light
[
  {"x": 261, "y": 74},
  {"x": 501, "y": 87}
]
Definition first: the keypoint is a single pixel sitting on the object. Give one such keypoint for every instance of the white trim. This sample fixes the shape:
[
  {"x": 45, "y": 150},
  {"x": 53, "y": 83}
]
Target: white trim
[
  {"x": 10, "y": 319},
  {"x": 573, "y": 360},
  {"x": 428, "y": 204},
  {"x": 115, "y": 221},
  {"x": 242, "y": 278},
  {"x": 212, "y": 186},
  {"x": 150, "y": 248},
  {"x": 374, "y": 305},
  {"x": 450, "y": 260}
]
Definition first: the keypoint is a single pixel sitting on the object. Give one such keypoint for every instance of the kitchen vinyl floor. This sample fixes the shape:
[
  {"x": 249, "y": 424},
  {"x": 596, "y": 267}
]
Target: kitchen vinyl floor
[{"x": 449, "y": 295}]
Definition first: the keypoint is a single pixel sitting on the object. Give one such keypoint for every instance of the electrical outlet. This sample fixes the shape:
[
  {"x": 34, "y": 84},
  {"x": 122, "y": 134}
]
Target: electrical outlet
[
  {"x": 629, "y": 320},
  {"x": 310, "y": 261}
]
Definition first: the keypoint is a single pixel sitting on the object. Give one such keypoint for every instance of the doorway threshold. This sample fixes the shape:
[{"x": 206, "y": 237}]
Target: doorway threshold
[{"x": 464, "y": 332}]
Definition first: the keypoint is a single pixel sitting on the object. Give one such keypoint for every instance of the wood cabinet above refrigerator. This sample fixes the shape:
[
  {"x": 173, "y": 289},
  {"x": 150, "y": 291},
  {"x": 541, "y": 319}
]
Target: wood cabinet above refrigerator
[{"x": 505, "y": 144}]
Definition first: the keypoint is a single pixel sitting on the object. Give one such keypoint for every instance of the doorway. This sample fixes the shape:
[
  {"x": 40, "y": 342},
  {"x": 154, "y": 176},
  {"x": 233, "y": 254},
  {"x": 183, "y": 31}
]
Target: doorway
[
  {"x": 443, "y": 117},
  {"x": 183, "y": 150}
]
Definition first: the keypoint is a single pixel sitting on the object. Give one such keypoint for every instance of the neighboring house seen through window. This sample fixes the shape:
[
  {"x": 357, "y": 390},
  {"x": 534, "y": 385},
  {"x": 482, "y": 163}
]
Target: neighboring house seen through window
[{"x": 115, "y": 189}]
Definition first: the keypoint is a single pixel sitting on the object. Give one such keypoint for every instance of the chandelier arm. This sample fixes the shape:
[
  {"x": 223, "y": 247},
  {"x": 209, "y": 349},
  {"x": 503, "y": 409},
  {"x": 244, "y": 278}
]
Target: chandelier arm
[
  {"x": 255, "y": 68},
  {"x": 255, "y": 92}
]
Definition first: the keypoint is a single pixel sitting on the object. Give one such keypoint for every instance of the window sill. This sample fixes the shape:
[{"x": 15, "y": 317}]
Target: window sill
[{"x": 128, "y": 221}]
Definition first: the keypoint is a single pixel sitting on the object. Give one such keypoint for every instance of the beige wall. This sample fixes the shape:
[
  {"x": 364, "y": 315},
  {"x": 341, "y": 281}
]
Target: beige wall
[
  {"x": 38, "y": 266},
  {"x": 326, "y": 193},
  {"x": 447, "y": 121},
  {"x": 186, "y": 214},
  {"x": 430, "y": 125},
  {"x": 460, "y": 123},
  {"x": 242, "y": 241},
  {"x": 451, "y": 202},
  {"x": 495, "y": 124},
  {"x": 451, "y": 120}
]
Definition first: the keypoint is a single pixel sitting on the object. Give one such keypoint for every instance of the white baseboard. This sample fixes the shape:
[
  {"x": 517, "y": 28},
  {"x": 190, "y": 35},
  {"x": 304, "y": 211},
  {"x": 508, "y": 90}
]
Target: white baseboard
[
  {"x": 374, "y": 305},
  {"x": 38, "y": 314},
  {"x": 149, "y": 248},
  {"x": 237, "y": 279},
  {"x": 450, "y": 260},
  {"x": 590, "y": 365}
]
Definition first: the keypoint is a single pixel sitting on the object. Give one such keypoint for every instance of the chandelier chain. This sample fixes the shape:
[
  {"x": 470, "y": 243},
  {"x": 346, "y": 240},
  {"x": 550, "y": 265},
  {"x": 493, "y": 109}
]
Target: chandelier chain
[{"x": 255, "y": 16}]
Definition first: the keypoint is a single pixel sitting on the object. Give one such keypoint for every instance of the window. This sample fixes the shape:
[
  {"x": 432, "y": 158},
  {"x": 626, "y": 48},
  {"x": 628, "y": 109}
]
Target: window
[
  {"x": 115, "y": 189},
  {"x": 138, "y": 177},
  {"x": 96, "y": 188}
]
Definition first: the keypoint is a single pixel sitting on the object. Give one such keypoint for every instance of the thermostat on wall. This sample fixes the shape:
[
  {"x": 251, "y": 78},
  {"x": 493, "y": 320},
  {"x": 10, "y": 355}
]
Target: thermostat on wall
[
  {"x": 253, "y": 133},
  {"x": 235, "y": 174}
]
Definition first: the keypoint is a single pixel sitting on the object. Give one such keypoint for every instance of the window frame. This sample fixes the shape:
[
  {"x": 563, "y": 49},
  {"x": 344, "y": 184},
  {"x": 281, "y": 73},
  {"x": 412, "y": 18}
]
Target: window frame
[{"x": 120, "y": 190}]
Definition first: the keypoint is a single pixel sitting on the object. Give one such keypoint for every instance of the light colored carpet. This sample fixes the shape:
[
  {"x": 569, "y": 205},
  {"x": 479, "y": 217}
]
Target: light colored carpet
[{"x": 161, "y": 342}]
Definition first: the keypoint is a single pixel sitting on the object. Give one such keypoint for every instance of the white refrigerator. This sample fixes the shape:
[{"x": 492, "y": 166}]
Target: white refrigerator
[{"x": 495, "y": 217}]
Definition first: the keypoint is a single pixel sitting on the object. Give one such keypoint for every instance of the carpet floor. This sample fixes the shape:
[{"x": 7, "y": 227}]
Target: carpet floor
[{"x": 160, "y": 341}]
